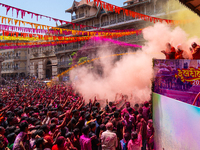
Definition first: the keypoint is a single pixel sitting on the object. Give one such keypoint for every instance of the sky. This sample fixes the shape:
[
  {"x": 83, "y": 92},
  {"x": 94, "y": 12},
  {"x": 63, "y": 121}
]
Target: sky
[{"x": 51, "y": 8}]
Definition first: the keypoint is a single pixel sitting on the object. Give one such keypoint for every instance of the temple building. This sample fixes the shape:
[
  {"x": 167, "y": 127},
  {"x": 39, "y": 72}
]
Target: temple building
[
  {"x": 47, "y": 62},
  {"x": 90, "y": 15}
]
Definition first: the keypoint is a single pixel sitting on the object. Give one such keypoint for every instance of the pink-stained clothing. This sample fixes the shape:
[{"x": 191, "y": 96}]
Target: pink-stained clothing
[
  {"x": 136, "y": 144},
  {"x": 145, "y": 113},
  {"x": 109, "y": 140},
  {"x": 21, "y": 137},
  {"x": 124, "y": 111},
  {"x": 85, "y": 142}
]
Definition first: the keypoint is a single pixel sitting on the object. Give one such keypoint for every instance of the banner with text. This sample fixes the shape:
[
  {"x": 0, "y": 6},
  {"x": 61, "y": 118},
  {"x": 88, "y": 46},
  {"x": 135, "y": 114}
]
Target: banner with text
[{"x": 178, "y": 79}]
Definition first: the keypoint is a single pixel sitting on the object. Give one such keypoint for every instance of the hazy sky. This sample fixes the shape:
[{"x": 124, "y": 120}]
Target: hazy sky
[{"x": 52, "y": 8}]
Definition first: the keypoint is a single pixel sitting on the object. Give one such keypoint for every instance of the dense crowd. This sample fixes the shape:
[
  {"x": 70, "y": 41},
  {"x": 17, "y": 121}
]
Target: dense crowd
[{"x": 34, "y": 116}]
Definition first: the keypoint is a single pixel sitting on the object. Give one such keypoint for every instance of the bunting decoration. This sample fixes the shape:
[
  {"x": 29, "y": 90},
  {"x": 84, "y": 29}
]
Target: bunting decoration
[
  {"x": 35, "y": 37},
  {"x": 24, "y": 12},
  {"x": 136, "y": 15},
  {"x": 51, "y": 32},
  {"x": 97, "y": 3},
  {"x": 38, "y": 27}
]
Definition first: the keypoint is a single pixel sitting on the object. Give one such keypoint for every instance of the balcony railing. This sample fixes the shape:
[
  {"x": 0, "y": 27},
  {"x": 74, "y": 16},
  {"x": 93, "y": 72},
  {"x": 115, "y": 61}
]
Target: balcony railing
[
  {"x": 113, "y": 21},
  {"x": 76, "y": 46},
  {"x": 97, "y": 25},
  {"x": 14, "y": 69},
  {"x": 64, "y": 63},
  {"x": 81, "y": 15},
  {"x": 74, "y": 17},
  {"x": 105, "y": 23},
  {"x": 78, "y": 16},
  {"x": 121, "y": 20},
  {"x": 129, "y": 18},
  {"x": 15, "y": 57}
]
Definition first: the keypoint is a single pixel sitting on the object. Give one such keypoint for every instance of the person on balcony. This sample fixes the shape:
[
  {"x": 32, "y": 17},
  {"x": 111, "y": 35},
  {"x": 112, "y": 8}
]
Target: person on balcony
[
  {"x": 196, "y": 51},
  {"x": 179, "y": 52},
  {"x": 169, "y": 52}
]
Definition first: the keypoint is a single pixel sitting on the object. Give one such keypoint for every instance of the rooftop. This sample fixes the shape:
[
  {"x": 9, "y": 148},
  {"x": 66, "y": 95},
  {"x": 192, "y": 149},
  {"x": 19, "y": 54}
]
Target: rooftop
[
  {"x": 76, "y": 5},
  {"x": 194, "y": 5}
]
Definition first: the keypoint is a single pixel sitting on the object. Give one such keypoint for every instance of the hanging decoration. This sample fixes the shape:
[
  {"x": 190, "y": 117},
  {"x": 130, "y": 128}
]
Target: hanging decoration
[
  {"x": 56, "y": 41},
  {"x": 136, "y": 15},
  {"x": 50, "y": 32},
  {"x": 34, "y": 37},
  {"x": 97, "y": 3},
  {"x": 24, "y": 12},
  {"x": 74, "y": 32},
  {"x": 6, "y": 35}
]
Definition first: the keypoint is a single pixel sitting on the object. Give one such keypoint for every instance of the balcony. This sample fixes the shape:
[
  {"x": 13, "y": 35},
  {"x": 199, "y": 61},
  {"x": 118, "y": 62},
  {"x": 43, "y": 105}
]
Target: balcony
[
  {"x": 64, "y": 64},
  {"x": 46, "y": 50},
  {"x": 97, "y": 25},
  {"x": 67, "y": 47},
  {"x": 76, "y": 46},
  {"x": 129, "y": 18},
  {"x": 81, "y": 15},
  {"x": 88, "y": 28},
  {"x": 105, "y": 23},
  {"x": 74, "y": 17},
  {"x": 113, "y": 21},
  {"x": 14, "y": 69},
  {"x": 78, "y": 16},
  {"x": 35, "y": 52},
  {"x": 15, "y": 57},
  {"x": 121, "y": 20}
]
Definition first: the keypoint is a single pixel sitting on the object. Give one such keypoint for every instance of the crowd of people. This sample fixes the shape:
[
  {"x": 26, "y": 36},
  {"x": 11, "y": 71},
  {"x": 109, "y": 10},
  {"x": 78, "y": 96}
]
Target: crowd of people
[
  {"x": 172, "y": 53},
  {"x": 34, "y": 116}
]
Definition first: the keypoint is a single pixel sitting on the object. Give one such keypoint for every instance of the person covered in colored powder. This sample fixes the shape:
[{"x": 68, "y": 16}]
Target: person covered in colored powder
[
  {"x": 196, "y": 51},
  {"x": 179, "y": 52},
  {"x": 169, "y": 52}
]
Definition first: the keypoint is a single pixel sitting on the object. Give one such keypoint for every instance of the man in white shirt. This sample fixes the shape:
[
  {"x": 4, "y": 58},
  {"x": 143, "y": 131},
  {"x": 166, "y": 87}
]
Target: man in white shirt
[{"x": 108, "y": 138}]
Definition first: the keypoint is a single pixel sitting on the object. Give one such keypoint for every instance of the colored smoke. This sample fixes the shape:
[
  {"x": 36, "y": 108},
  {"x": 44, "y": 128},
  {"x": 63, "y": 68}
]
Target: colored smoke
[
  {"x": 132, "y": 74},
  {"x": 191, "y": 27}
]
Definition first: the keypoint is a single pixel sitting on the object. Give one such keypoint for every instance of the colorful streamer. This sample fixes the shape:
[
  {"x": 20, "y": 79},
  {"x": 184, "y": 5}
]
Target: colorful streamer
[
  {"x": 24, "y": 12},
  {"x": 44, "y": 31},
  {"x": 36, "y": 37},
  {"x": 133, "y": 14},
  {"x": 74, "y": 32},
  {"x": 97, "y": 3}
]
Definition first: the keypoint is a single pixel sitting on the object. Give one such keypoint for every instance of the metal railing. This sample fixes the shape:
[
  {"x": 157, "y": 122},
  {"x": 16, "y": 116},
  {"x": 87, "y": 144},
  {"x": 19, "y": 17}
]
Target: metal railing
[
  {"x": 76, "y": 46},
  {"x": 129, "y": 18},
  {"x": 113, "y": 21},
  {"x": 78, "y": 16},
  {"x": 15, "y": 57},
  {"x": 64, "y": 63},
  {"x": 81, "y": 15},
  {"x": 74, "y": 17},
  {"x": 120, "y": 20},
  {"x": 13, "y": 69},
  {"x": 97, "y": 25},
  {"x": 105, "y": 23}
]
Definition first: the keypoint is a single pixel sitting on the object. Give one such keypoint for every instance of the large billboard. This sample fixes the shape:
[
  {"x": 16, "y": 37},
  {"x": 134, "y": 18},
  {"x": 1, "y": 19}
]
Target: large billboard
[
  {"x": 176, "y": 124},
  {"x": 177, "y": 79}
]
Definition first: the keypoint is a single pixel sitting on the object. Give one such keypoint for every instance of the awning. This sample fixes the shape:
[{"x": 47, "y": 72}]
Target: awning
[{"x": 194, "y": 5}]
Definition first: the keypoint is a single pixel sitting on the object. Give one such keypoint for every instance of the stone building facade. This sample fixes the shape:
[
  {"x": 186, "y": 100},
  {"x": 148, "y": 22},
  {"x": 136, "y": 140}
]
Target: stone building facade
[
  {"x": 47, "y": 62},
  {"x": 87, "y": 14},
  {"x": 43, "y": 62},
  {"x": 15, "y": 63}
]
